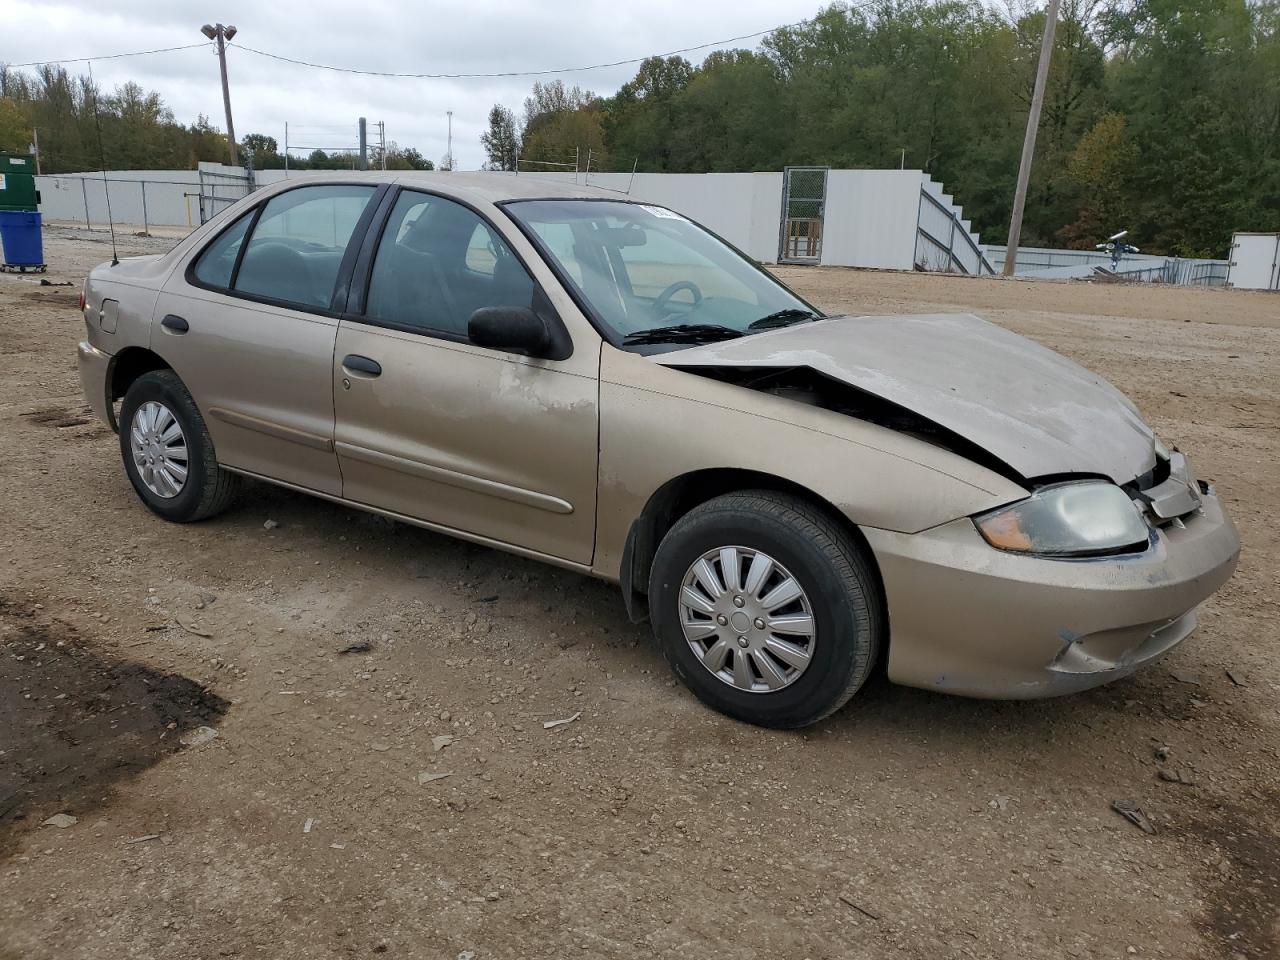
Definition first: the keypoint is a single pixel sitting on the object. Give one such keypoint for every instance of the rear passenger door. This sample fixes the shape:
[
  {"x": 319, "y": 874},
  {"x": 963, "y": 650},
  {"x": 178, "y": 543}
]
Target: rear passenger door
[
  {"x": 249, "y": 325},
  {"x": 481, "y": 441}
]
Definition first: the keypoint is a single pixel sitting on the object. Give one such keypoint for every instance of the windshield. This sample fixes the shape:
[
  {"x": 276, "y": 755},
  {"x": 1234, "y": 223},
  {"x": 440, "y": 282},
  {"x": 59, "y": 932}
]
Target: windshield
[{"x": 652, "y": 276}]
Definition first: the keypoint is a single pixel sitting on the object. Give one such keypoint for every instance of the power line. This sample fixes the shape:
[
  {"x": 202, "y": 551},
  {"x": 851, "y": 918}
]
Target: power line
[
  {"x": 418, "y": 76},
  {"x": 109, "y": 56},
  {"x": 511, "y": 73}
]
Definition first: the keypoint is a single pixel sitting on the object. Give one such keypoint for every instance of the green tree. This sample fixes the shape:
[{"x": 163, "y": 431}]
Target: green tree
[
  {"x": 562, "y": 124},
  {"x": 1199, "y": 82},
  {"x": 15, "y": 134},
  {"x": 642, "y": 115},
  {"x": 265, "y": 151},
  {"x": 1101, "y": 168},
  {"x": 500, "y": 142},
  {"x": 406, "y": 158},
  {"x": 137, "y": 130}
]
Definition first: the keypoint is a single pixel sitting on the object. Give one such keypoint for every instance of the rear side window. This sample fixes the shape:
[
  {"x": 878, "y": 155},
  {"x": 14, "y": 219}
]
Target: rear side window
[
  {"x": 219, "y": 258},
  {"x": 297, "y": 246}
]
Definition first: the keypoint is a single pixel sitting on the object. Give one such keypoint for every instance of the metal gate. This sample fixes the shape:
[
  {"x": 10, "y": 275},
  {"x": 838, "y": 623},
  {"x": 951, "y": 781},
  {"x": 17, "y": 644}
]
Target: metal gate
[
  {"x": 804, "y": 200},
  {"x": 219, "y": 190}
]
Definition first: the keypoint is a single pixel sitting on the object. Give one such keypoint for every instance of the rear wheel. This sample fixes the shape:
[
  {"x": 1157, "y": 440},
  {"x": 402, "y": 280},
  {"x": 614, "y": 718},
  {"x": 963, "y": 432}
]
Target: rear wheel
[
  {"x": 167, "y": 452},
  {"x": 766, "y": 608}
]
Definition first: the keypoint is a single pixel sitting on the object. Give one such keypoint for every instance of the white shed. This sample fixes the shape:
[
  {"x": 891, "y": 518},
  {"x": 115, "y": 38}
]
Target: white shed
[{"x": 1255, "y": 261}]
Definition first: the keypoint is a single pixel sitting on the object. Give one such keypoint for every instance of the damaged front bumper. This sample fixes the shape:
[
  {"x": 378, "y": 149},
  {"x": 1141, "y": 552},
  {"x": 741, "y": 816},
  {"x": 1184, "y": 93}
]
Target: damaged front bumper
[{"x": 968, "y": 619}]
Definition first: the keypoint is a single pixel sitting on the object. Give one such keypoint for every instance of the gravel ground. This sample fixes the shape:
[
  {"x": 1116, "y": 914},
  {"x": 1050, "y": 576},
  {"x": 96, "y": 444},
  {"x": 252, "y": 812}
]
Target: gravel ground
[{"x": 405, "y": 799}]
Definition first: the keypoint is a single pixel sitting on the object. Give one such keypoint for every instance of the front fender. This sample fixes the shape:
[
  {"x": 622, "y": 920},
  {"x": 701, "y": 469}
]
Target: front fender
[{"x": 658, "y": 424}]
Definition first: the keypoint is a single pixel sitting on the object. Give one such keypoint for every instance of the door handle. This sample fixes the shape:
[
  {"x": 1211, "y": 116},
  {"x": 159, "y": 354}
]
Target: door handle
[
  {"x": 175, "y": 324},
  {"x": 358, "y": 364}
]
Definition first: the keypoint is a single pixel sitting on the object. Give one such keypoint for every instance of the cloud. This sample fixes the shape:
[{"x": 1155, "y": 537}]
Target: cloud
[{"x": 476, "y": 36}]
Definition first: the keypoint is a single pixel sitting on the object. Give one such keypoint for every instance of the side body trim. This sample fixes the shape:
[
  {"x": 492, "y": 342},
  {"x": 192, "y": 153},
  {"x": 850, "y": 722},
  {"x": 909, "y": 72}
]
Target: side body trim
[
  {"x": 427, "y": 525},
  {"x": 279, "y": 431},
  {"x": 428, "y": 471}
]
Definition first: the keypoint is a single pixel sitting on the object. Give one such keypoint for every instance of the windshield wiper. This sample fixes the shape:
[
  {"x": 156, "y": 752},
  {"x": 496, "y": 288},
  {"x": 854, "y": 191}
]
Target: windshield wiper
[
  {"x": 783, "y": 318},
  {"x": 683, "y": 333}
]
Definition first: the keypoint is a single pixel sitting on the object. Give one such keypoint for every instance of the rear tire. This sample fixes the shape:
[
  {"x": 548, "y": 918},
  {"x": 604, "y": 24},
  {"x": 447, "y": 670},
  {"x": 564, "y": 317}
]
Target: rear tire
[
  {"x": 773, "y": 675},
  {"x": 168, "y": 455}
]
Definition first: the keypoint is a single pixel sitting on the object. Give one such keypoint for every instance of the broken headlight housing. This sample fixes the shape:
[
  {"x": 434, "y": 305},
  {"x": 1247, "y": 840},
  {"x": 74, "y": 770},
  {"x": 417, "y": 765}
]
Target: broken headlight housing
[{"x": 1075, "y": 519}]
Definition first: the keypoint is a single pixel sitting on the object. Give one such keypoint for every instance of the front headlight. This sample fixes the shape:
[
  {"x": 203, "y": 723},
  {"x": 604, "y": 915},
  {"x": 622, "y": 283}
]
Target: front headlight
[{"x": 1079, "y": 518}]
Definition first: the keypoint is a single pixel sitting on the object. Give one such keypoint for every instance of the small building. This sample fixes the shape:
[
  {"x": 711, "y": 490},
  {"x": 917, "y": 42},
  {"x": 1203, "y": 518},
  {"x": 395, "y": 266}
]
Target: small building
[{"x": 1255, "y": 261}]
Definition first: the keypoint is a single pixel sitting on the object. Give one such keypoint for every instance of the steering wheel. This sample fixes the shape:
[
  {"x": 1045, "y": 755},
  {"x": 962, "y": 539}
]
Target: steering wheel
[{"x": 664, "y": 298}]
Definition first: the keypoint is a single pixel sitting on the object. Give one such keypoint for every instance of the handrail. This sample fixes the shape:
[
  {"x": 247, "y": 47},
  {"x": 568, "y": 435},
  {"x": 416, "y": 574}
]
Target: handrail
[{"x": 957, "y": 228}]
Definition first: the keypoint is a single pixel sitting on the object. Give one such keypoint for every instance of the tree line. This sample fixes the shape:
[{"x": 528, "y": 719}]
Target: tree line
[
  {"x": 1161, "y": 116},
  {"x": 264, "y": 153},
  {"x": 138, "y": 131}
]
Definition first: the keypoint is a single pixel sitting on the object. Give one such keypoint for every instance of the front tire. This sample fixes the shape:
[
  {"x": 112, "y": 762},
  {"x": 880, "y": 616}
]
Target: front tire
[
  {"x": 766, "y": 608},
  {"x": 168, "y": 455}
]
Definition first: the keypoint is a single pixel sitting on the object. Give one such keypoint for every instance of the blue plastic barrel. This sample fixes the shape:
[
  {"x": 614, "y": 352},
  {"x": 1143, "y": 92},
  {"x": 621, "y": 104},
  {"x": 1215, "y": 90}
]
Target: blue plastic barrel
[{"x": 21, "y": 238}]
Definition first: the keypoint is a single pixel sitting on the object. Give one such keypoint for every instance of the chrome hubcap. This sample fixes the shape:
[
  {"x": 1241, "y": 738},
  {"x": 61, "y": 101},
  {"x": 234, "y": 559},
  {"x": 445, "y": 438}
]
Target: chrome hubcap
[
  {"x": 747, "y": 619},
  {"x": 159, "y": 449}
]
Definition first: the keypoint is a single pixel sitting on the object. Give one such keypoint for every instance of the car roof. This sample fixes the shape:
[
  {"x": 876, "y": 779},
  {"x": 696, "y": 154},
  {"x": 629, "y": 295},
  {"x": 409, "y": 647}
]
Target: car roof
[{"x": 478, "y": 187}]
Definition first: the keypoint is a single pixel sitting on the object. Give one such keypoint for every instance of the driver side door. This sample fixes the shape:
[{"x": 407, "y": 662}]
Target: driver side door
[{"x": 492, "y": 444}]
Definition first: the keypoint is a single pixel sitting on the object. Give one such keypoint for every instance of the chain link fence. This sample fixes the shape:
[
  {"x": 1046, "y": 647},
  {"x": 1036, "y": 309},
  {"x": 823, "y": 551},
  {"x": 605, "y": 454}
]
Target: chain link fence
[{"x": 180, "y": 198}]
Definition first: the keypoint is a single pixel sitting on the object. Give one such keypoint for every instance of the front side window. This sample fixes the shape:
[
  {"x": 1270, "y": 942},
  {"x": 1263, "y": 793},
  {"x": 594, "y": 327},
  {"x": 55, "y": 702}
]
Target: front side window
[
  {"x": 642, "y": 267},
  {"x": 218, "y": 260},
  {"x": 298, "y": 243},
  {"x": 437, "y": 263}
]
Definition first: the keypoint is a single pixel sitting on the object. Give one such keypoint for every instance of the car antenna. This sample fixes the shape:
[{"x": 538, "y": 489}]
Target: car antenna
[{"x": 102, "y": 160}]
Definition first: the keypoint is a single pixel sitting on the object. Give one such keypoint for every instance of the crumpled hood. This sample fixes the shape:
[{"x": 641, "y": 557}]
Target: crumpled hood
[{"x": 1034, "y": 409}]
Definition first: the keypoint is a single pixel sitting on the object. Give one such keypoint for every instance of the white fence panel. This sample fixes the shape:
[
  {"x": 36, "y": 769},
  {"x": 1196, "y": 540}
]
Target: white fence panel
[{"x": 1255, "y": 261}]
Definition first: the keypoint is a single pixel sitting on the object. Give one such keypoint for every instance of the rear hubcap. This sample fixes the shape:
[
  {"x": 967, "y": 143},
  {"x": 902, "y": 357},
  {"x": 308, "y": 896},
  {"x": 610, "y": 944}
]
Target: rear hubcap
[
  {"x": 159, "y": 449},
  {"x": 747, "y": 619}
]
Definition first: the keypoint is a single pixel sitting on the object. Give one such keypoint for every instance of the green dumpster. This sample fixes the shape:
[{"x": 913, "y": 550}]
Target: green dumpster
[{"x": 18, "y": 182}]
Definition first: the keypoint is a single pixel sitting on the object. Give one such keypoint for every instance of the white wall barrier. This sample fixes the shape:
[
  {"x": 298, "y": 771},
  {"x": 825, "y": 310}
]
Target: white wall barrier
[
  {"x": 138, "y": 198},
  {"x": 871, "y": 216}
]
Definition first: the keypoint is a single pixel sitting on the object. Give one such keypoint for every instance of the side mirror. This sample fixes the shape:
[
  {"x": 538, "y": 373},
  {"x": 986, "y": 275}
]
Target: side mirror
[{"x": 510, "y": 328}]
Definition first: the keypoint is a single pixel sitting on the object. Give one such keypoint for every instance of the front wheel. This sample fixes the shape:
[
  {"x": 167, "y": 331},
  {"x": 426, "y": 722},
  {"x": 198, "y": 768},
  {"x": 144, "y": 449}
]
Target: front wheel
[
  {"x": 766, "y": 608},
  {"x": 167, "y": 452}
]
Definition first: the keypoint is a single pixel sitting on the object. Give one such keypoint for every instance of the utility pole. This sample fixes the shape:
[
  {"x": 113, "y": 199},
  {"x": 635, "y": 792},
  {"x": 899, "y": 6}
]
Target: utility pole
[
  {"x": 35, "y": 147},
  {"x": 364, "y": 144},
  {"x": 1029, "y": 142},
  {"x": 449, "y": 151},
  {"x": 223, "y": 34}
]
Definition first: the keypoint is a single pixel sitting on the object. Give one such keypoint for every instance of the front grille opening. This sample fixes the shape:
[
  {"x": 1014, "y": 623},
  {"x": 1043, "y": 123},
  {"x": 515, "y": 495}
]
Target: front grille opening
[{"x": 1153, "y": 477}]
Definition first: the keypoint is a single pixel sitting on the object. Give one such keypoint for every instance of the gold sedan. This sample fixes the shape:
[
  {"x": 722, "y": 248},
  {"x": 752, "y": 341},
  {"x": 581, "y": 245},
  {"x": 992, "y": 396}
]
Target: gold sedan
[{"x": 605, "y": 385}]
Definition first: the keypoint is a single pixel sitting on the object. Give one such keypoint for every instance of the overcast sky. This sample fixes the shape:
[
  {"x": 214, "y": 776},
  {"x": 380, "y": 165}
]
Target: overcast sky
[{"x": 321, "y": 107}]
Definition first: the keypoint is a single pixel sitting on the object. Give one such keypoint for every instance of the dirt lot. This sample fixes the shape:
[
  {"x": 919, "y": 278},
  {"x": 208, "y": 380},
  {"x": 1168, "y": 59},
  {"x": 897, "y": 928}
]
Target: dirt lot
[{"x": 316, "y": 824}]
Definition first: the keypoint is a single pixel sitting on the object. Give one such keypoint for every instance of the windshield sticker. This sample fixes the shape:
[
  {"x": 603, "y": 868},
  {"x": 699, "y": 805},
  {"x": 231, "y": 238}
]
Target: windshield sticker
[{"x": 661, "y": 212}]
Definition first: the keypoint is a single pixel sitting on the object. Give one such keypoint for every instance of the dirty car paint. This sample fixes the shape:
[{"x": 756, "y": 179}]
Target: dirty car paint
[{"x": 1035, "y": 410}]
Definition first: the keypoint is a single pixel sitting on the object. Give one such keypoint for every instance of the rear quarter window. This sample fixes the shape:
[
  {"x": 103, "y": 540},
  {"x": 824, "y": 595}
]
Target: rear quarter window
[
  {"x": 297, "y": 245},
  {"x": 218, "y": 260}
]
